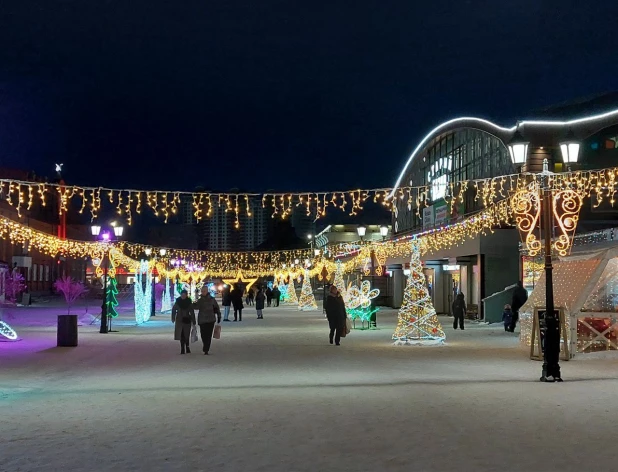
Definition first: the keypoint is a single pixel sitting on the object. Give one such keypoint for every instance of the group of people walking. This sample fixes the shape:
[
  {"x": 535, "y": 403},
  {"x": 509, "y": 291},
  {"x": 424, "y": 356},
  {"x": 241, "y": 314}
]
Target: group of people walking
[
  {"x": 209, "y": 314},
  {"x": 184, "y": 319}
]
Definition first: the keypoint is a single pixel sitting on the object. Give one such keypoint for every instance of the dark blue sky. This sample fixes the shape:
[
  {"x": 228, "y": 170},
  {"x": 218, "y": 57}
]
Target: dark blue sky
[{"x": 278, "y": 94}]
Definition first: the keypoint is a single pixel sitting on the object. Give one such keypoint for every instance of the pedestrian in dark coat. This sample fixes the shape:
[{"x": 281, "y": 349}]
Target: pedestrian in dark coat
[
  {"x": 336, "y": 314},
  {"x": 259, "y": 303},
  {"x": 208, "y": 313},
  {"x": 276, "y": 296},
  {"x": 226, "y": 301},
  {"x": 269, "y": 296},
  {"x": 236, "y": 295},
  {"x": 520, "y": 297},
  {"x": 183, "y": 318},
  {"x": 459, "y": 311}
]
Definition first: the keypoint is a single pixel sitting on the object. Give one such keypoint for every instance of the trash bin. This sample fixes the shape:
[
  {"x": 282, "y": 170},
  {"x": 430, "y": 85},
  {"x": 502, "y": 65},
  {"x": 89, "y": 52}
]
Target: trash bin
[{"x": 67, "y": 331}]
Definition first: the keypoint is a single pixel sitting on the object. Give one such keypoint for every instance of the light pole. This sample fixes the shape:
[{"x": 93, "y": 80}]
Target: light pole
[
  {"x": 106, "y": 238},
  {"x": 518, "y": 150}
]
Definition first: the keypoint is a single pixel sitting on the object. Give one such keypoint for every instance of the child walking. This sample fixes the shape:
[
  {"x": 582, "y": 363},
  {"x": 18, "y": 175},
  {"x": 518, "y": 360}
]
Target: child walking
[{"x": 507, "y": 317}]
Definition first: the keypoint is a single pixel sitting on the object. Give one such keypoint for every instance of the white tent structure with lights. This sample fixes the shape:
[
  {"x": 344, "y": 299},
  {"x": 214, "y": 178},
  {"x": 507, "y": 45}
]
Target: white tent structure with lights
[{"x": 586, "y": 288}]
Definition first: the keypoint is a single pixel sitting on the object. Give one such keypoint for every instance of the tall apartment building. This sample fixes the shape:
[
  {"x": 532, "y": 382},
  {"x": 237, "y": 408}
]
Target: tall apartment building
[{"x": 219, "y": 233}]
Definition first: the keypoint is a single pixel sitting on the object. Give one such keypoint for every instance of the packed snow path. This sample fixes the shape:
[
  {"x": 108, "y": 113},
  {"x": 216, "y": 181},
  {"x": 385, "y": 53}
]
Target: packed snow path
[{"x": 275, "y": 396}]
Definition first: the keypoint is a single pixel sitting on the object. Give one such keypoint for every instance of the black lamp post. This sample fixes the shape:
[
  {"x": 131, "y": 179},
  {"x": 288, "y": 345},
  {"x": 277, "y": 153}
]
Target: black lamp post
[
  {"x": 106, "y": 238},
  {"x": 518, "y": 150}
]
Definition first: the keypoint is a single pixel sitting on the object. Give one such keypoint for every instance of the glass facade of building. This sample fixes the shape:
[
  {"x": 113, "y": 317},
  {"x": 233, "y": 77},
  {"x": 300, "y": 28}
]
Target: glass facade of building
[{"x": 454, "y": 156}]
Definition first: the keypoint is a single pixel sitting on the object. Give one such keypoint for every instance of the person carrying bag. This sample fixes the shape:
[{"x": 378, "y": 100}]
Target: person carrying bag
[{"x": 208, "y": 314}]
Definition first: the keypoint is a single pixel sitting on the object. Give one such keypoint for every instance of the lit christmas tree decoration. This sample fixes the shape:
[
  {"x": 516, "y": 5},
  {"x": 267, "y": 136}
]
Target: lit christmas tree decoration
[
  {"x": 306, "y": 301},
  {"x": 418, "y": 322},
  {"x": 291, "y": 298},
  {"x": 112, "y": 291},
  {"x": 338, "y": 282}
]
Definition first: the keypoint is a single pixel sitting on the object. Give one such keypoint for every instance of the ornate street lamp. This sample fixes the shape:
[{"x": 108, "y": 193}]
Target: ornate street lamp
[
  {"x": 518, "y": 149},
  {"x": 361, "y": 230},
  {"x": 383, "y": 232},
  {"x": 570, "y": 149},
  {"x": 95, "y": 230}
]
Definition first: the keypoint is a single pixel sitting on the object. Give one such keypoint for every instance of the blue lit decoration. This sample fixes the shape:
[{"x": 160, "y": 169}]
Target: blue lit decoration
[
  {"x": 212, "y": 289},
  {"x": 166, "y": 302},
  {"x": 7, "y": 332},
  {"x": 283, "y": 289},
  {"x": 142, "y": 294},
  {"x": 270, "y": 285}
]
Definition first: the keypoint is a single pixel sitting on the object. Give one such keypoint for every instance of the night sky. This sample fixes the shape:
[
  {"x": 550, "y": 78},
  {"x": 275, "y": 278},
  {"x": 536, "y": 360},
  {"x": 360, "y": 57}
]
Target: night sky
[{"x": 283, "y": 95}]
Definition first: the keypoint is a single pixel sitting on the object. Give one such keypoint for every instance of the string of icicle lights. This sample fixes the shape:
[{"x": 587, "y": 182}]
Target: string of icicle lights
[
  {"x": 129, "y": 203},
  {"x": 292, "y": 263}
]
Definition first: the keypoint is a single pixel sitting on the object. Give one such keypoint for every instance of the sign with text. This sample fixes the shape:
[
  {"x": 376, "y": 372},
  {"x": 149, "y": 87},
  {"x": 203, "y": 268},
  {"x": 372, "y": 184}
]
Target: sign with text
[{"x": 428, "y": 217}]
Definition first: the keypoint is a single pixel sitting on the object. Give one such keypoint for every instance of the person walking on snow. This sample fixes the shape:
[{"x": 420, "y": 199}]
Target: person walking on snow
[
  {"x": 269, "y": 296},
  {"x": 208, "y": 313},
  {"x": 459, "y": 311},
  {"x": 520, "y": 297},
  {"x": 226, "y": 301},
  {"x": 276, "y": 296},
  {"x": 336, "y": 314},
  {"x": 259, "y": 303},
  {"x": 183, "y": 318},
  {"x": 236, "y": 295},
  {"x": 507, "y": 317}
]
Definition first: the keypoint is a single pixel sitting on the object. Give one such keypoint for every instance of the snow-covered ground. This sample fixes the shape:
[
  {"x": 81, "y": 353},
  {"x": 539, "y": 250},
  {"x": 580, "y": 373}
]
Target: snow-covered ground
[{"x": 275, "y": 396}]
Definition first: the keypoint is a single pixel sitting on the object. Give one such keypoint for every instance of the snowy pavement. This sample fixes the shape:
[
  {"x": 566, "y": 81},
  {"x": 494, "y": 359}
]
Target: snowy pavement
[{"x": 275, "y": 396}]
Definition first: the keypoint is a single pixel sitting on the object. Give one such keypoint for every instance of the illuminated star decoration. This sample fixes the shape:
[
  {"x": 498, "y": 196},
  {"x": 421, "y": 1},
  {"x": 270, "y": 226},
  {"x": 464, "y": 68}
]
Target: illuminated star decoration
[
  {"x": 7, "y": 332},
  {"x": 246, "y": 281}
]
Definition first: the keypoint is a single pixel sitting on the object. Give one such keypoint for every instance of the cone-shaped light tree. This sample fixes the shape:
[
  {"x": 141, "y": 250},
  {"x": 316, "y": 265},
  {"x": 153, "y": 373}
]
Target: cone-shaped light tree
[
  {"x": 291, "y": 299},
  {"x": 418, "y": 322},
  {"x": 338, "y": 282},
  {"x": 306, "y": 302},
  {"x": 166, "y": 302}
]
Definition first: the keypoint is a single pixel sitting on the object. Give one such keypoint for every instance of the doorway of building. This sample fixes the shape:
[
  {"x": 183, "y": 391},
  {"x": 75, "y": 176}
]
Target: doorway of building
[
  {"x": 430, "y": 280},
  {"x": 452, "y": 287}
]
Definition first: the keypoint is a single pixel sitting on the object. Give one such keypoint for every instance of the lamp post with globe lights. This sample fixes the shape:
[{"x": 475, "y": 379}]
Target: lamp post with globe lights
[{"x": 106, "y": 238}]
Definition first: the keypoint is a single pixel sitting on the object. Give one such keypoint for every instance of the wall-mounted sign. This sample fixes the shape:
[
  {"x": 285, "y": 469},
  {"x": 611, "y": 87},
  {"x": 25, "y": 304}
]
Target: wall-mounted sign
[
  {"x": 428, "y": 217},
  {"x": 437, "y": 177},
  {"x": 449, "y": 267},
  {"x": 440, "y": 213}
]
